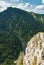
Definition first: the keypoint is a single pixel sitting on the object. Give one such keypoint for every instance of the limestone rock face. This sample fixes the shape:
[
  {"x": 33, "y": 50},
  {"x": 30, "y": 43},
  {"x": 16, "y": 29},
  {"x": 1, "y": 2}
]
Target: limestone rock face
[{"x": 34, "y": 54}]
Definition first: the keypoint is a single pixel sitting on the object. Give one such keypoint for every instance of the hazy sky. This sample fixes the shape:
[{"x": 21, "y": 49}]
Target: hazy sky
[{"x": 36, "y": 6}]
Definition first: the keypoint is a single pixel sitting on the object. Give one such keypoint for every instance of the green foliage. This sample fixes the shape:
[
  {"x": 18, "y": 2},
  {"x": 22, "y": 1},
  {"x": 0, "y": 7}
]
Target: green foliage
[
  {"x": 8, "y": 62},
  {"x": 10, "y": 46},
  {"x": 16, "y": 26}
]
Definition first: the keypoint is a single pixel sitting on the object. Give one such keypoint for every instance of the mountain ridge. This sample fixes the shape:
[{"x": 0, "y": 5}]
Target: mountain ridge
[{"x": 17, "y": 26}]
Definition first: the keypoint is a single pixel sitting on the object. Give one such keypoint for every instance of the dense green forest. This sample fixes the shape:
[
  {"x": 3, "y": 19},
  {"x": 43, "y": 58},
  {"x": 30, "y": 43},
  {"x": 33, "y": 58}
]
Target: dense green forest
[{"x": 16, "y": 26}]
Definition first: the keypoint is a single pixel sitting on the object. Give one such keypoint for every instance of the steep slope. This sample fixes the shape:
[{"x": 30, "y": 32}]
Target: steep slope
[
  {"x": 21, "y": 22},
  {"x": 35, "y": 50},
  {"x": 16, "y": 28}
]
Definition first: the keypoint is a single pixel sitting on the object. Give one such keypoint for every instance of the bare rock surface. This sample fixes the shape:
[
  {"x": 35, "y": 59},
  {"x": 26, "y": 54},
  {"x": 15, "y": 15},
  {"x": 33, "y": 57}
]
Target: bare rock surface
[{"x": 34, "y": 54}]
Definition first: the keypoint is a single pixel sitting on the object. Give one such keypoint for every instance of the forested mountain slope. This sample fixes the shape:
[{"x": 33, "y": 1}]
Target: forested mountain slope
[{"x": 17, "y": 26}]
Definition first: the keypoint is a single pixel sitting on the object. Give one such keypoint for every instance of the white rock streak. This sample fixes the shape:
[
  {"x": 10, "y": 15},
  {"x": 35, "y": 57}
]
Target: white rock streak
[{"x": 35, "y": 51}]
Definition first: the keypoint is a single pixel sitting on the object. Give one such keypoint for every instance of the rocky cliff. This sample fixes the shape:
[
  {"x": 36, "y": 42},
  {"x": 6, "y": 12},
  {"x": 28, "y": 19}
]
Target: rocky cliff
[{"x": 35, "y": 51}]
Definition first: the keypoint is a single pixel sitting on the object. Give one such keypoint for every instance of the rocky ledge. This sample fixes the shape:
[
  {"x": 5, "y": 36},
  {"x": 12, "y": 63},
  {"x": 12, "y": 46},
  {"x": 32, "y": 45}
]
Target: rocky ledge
[{"x": 34, "y": 54}]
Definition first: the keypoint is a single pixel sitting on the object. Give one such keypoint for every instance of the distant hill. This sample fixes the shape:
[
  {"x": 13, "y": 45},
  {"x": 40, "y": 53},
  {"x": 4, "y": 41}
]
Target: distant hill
[{"x": 16, "y": 26}]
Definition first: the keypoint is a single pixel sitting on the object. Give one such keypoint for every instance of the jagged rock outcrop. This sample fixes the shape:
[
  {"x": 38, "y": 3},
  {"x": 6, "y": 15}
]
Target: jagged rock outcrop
[{"x": 35, "y": 51}]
